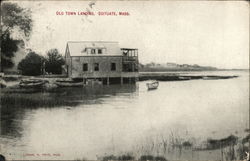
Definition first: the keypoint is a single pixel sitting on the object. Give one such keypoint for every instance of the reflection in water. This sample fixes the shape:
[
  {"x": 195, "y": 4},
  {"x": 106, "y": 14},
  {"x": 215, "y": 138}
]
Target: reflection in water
[
  {"x": 173, "y": 121},
  {"x": 15, "y": 102},
  {"x": 10, "y": 124},
  {"x": 61, "y": 96}
]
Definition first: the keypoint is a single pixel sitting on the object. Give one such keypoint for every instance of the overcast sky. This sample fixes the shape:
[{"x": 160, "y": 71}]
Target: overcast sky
[{"x": 192, "y": 32}]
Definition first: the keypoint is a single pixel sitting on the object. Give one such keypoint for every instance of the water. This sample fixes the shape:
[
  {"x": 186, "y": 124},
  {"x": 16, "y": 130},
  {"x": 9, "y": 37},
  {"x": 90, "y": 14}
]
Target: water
[{"x": 87, "y": 123}]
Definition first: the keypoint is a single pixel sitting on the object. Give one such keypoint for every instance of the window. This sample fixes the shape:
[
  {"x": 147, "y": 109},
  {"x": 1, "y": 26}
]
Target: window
[
  {"x": 113, "y": 66},
  {"x": 127, "y": 67},
  {"x": 96, "y": 66},
  {"x": 99, "y": 51},
  {"x": 92, "y": 51},
  {"x": 85, "y": 67}
]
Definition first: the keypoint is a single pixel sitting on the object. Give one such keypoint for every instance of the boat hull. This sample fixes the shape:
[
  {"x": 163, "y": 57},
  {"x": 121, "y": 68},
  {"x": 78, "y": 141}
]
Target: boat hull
[
  {"x": 153, "y": 85},
  {"x": 69, "y": 84},
  {"x": 32, "y": 84}
]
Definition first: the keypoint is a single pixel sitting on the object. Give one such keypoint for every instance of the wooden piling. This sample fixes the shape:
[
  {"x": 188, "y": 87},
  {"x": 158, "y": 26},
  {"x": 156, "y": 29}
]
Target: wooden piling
[
  {"x": 107, "y": 80},
  {"x": 121, "y": 80}
]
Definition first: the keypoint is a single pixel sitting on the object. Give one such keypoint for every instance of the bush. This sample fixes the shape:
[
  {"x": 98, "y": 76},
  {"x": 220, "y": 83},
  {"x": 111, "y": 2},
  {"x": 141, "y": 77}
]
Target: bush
[
  {"x": 152, "y": 158},
  {"x": 146, "y": 157},
  {"x": 125, "y": 157},
  {"x": 118, "y": 158},
  {"x": 160, "y": 158},
  {"x": 31, "y": 65},
  {"x": 109, "y": 157}
]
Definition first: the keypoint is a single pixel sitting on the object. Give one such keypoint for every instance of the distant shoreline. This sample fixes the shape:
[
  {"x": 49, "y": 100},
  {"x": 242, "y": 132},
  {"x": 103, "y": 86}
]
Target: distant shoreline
[{"x": 187, "y": 70}]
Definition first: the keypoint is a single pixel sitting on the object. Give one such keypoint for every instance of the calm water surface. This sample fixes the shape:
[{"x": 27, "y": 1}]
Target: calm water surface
[{"x": 127, "y": 119}]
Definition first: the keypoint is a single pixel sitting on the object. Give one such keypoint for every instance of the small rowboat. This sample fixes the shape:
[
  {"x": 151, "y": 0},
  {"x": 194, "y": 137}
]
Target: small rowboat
[
  {"x": 32, "y": 83},
  {"x": 184, "y": 78},
  {"x": 68, "y": 83},
  {"x": 153, "y": 85},
  {"x": 209, "y": 78}
]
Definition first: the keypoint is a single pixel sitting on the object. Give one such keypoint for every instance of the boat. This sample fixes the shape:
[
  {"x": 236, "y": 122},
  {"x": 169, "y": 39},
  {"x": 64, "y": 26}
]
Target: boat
[
  {"x": 68, "y": 83},
  {"x": 152, "y": 85},
  {"x": 32, "y": 83},
  {"x": 92, "y": 82},
  {"x": 209, "y": 78},
  {"x": 184, "y": 78}
]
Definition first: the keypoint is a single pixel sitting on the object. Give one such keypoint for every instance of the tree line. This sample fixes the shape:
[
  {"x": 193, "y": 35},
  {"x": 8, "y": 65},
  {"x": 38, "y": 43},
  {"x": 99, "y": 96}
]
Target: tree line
[
  {"x": 17, "y": 22},
  {"x": 35, "y": 64}
]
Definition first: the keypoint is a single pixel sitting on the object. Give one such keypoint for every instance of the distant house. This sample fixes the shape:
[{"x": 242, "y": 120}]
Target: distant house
[
  {"x": 185, "y": 65},
  {"x": 171, "y": 65},
  {"x": 103, "y": 61}
]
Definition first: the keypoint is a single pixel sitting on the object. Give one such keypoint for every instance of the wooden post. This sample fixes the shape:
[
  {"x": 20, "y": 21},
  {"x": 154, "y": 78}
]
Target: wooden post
[
  {"x": 136, "y": 79},
  {"x": 121, "y": 80},
  {"x": 107, "y": 80},
  {"x": 83, "y": 80}
]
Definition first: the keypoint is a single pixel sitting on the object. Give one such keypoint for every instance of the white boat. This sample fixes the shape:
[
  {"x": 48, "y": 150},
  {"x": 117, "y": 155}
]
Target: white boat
[{"x": 152, "y": 85}]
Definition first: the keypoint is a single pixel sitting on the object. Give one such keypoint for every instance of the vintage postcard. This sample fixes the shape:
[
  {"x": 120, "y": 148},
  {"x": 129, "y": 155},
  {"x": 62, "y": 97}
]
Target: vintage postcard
[{"x": 124, "y": 80}]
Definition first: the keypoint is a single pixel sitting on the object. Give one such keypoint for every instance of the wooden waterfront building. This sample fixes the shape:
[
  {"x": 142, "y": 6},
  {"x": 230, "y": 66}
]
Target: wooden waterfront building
[{"x": 103, "y": 61}]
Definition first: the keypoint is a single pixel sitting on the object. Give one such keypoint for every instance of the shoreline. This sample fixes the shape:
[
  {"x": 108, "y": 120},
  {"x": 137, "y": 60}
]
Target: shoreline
[
  {"x": 13, "y": 80},
  {"x": 180, "y": 77}
]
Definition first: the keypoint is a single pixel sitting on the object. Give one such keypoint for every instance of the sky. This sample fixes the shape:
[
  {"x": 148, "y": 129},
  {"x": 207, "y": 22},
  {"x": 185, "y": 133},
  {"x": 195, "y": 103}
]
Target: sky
[{"x": 209, "y": 33}]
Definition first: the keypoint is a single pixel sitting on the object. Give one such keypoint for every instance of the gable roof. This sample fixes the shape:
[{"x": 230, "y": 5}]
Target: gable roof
[{"x": 78, "y": 48}]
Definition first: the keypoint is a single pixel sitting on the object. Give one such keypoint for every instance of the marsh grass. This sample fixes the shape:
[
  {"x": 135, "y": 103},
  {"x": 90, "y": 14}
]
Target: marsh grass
[
  {"x": 109, "y": 157},
  {"x": 129, "y": 157},
  {"x": 83, "y": 159},
  {"x": 126, "y": 157},
  {"x": 174, "y": 146},
  {"x": 152, "y": 158}
]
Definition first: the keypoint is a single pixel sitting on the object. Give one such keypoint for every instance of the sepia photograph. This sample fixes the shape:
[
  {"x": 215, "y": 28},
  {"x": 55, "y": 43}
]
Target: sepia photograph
[{"x": 124, "y": 80}]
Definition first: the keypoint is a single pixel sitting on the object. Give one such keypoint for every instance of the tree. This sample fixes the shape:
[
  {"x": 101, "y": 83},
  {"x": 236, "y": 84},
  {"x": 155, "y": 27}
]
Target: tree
[
  {"x": 32, "y": 64},
  {"x": 54, "y": 62},
  {"x": 8, "y": 47},
  {"x": 15, "y": 22}
]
